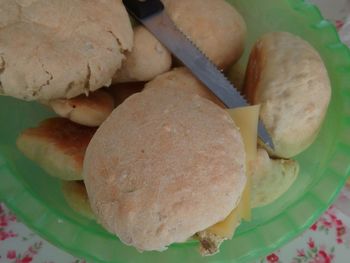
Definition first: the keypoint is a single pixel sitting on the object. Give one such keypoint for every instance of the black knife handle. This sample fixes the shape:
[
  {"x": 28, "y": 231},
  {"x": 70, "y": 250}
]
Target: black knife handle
[{"x": 143, "y": 8}]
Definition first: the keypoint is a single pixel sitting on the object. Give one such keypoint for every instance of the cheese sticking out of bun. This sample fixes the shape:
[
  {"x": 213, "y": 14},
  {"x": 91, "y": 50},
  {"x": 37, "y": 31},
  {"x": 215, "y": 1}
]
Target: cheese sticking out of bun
[{"x": 246, "y": 119}]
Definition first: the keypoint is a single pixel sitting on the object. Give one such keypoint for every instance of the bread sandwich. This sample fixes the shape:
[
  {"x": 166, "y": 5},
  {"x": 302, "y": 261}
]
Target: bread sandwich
[{"x": 157, "y": 172}]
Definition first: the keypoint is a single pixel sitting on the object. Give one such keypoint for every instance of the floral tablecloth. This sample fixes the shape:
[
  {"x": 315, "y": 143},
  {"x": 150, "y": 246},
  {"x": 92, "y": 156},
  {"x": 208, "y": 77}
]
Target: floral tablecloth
[{"x": 326, "y": 241}]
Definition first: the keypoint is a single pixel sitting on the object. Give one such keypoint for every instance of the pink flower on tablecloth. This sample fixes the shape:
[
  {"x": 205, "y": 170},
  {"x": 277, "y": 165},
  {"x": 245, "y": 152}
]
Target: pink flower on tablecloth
[
  {"x": 311, "y": 243},
  {"x": 338, "y": 222},
  {"x": 3, "y": 221},
  {"x": 28, "y": 255},
  {"x": 315, "y": 253},
  {"x": 329, "y": 221},
  {"x": 314, "y": 227},
  {"x": 341, "y": 230},
  {"x": 6, "y": 235},
  {"x": 26, "y": 259},
  {"x": 323, "y": 257},
  {"x": 11, "y": 254},
  {"x": 272, "y": 258}
]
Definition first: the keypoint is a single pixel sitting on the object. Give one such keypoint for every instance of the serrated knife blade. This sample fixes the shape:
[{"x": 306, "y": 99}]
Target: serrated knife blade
[{"x": 152, "y": 15}]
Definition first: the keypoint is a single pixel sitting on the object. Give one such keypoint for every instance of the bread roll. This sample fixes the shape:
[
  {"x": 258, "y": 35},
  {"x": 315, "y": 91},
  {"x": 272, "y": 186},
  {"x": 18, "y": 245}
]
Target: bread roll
[
  {"x": 147, "y": 59},
  {"x": 74, "y": 193},
  {"x": 271, "y": 178},
  {"x": 58, "y": 146},
  {"x": 287, "y": 77},
  {"x": 182, "y": 78},
  {"x": 163, "y": 166},
  {"x": 52, "y": 49},
  {"x": 213, "y": 25},
  {"x": 89, "y": 110}
]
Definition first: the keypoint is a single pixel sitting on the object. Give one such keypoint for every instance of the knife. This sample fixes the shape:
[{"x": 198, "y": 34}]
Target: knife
[{"x": 152, "y": 15}]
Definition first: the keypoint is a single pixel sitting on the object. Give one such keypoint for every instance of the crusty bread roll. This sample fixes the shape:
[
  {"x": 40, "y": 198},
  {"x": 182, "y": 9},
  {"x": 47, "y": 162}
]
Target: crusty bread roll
[
  {"x": 182, "y": 78},
  {"x": 89, "y": 110},
  {"x": 58, "y": 146},
  {"x": 74, "y": 193},
  {"x": 163, "y": 166},
  {"x": 147, "y": 59},
  {"x": 52, "y": 49},
  {"x": 213, "y": 25},
  {"x": 287, "y": 77},
  {"x": 271, "y": 178}
]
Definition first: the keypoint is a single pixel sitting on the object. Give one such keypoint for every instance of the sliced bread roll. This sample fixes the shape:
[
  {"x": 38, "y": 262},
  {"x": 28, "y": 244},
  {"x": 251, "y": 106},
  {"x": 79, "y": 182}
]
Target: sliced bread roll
[{"x": 287, "y": 77}]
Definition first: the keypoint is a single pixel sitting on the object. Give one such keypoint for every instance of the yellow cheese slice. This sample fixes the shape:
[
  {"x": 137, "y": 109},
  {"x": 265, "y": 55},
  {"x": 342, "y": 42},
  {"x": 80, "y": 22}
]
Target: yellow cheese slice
[
  {"x": 246, "y": 118},
  {"x": 226, "y": 228}
]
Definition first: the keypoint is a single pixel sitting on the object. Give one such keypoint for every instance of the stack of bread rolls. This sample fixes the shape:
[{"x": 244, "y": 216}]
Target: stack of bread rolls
[{"x": 140, "y": 144}]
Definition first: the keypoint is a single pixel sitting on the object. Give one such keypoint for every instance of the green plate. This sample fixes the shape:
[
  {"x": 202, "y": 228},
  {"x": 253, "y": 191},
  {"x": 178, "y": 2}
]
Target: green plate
[{"x": 37, "y": 200}]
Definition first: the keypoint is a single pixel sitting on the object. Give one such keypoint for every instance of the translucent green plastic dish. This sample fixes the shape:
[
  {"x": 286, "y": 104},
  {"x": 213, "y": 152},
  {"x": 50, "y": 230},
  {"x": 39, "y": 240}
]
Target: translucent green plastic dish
[{"x": 37, "y": 200}]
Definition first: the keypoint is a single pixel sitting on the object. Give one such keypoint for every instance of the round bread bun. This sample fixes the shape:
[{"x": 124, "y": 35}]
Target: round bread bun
[
  {"x": 89, "y": 110},
  {"x": 147, "y": 59},
  {"x": 163, "y": 166},
  {"x": 209, "y": 23},
  {"x": 182, "y": 78},
  {"x": 286, "y": 75},
  {"x": 53, "y": 49},
  {"x": 74, "y": 193}
]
